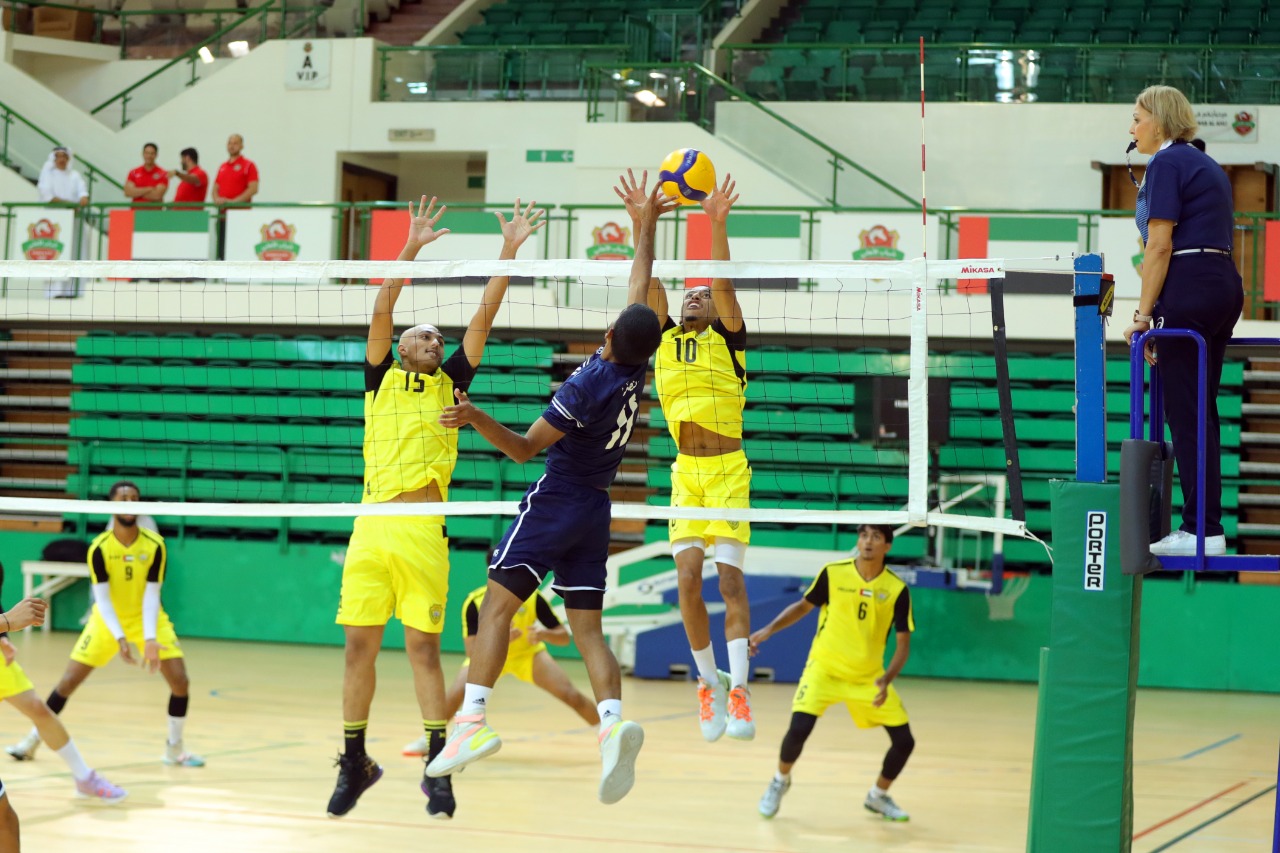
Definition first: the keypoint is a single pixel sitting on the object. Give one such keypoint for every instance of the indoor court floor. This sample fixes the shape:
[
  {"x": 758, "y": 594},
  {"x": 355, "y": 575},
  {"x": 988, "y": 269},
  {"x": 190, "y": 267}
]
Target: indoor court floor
[{"x": 267, "y": 719}]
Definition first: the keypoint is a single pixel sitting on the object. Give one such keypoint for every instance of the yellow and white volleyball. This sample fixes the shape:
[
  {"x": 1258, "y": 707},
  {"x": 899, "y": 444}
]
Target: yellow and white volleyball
[{"x": 687, "y": 175}]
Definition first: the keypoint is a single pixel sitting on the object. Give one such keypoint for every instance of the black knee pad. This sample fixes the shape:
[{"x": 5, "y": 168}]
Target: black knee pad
[
  {"x": 901, "y": 743},
  {"x": 793, "y": 742}
]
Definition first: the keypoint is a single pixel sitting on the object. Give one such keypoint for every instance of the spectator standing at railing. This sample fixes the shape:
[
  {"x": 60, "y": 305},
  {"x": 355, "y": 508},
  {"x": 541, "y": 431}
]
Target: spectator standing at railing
[
  {"x": 148, "y": 183},
  {"x": 1185, "y": 213},
  {"x": 61, "y": 183},
  {"x": 193, "y": 182},
  {"x": 236, "y": 184}
]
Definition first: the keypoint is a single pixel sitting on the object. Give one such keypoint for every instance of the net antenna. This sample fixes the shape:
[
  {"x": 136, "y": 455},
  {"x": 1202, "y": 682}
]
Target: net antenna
[{"x": 924, "y": 204}]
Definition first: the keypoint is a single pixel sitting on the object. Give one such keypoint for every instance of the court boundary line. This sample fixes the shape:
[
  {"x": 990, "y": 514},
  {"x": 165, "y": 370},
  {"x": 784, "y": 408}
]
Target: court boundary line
[
  {"x": 1189, "y": 810},
  {"x": 1190, "y": 832}
]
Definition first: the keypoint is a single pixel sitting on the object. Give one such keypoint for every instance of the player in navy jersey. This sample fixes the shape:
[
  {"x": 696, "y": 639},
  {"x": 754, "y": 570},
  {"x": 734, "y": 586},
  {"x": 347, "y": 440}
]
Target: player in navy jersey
[{"x": 563, "y": 525}]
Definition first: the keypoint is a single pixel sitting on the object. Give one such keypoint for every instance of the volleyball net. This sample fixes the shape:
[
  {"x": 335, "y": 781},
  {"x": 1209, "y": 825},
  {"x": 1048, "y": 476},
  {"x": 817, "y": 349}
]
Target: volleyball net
[{"x": 232, "y": 394}]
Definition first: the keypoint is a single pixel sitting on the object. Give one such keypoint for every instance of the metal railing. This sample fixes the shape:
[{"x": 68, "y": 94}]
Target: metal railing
[
  {"x": 1004, "y": 72},
  {"x": 486, "y": 72},
  {"x": 689, "y": 92},
  {"x": 25, "y": 148}
]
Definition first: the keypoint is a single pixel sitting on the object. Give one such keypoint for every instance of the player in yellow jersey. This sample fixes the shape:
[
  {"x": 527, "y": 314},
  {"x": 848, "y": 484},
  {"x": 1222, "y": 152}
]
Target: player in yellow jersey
[
  {"x": 399, "y": 565},
  {"x": 861, "y": 602},
  {"x": 18, "y": 691},
  {"x": 127, "y": 565},
  {"x": 534, "y": 626},
  {"x": 700, "y": 377}
]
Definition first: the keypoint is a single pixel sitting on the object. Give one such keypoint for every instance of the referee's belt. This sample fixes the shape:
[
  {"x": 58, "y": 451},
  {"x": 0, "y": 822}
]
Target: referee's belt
[{"x": 1204, "y": 251}]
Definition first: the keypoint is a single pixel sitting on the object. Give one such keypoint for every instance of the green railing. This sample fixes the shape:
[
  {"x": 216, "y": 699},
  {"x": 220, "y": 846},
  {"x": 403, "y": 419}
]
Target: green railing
[
  {"x": 688, "y": 92},
  {"x": 486, "y": 72},
  {"x": 1004, "y": 73},
  {"x": 25, "y": 148}
]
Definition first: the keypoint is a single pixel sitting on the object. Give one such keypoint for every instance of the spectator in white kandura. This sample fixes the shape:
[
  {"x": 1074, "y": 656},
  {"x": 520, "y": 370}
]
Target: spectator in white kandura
[{"x": 61, "y": 183}]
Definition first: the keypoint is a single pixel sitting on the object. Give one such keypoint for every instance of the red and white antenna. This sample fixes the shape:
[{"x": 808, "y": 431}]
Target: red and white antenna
[{"x": 924, "y": 205}]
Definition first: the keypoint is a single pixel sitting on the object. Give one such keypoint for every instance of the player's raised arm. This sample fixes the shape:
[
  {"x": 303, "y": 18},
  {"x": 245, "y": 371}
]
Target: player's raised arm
[
  {"x": 518, "y": 448},
  {"x": 639, "y": 287},
  {"x": 717, "y": 206},
  {"x": 422, "y": 231},
  {"x": 523, "y": 223},
  {"x": 634, "y": 195}
]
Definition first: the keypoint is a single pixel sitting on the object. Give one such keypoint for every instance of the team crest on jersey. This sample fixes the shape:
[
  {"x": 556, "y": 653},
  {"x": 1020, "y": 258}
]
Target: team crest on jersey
[
  {"x": 733, "y": 525},
  {"x": 883, "y": 596},
  {"x": 437, "y": 612},
  {"x": 610, "y": 242}
]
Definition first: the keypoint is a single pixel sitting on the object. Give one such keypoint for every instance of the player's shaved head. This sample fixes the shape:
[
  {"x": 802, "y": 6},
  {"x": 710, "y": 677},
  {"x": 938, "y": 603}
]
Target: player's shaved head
[{"x": 422, "y": 328}]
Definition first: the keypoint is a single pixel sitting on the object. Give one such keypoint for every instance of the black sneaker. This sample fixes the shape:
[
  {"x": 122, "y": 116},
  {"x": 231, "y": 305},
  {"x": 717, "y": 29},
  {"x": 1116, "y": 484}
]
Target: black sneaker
[
  {"x": 356, "y": 774},
  {"x": 440, "y": 801}
]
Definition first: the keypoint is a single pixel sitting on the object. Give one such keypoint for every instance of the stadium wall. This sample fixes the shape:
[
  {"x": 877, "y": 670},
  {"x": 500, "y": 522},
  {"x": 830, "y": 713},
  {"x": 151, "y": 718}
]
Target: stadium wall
[{"x": 237, "y": 590}]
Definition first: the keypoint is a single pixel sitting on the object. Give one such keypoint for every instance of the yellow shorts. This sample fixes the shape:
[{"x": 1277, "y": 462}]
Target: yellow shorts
[
  {"x": 818, "y": 691},
  {"x": 13, "y": 681},
  {"x": 96, "y": 647},
  {"x": 396, "y": 565},
  {"x": 716, "y": 482},
  {"x": 520, "y": 665}
]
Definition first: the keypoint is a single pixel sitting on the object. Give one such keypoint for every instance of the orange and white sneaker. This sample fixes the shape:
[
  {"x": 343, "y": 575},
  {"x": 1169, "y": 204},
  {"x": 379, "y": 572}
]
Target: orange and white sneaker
[
  {"x": 740, "y": 726},
  {"x": 619, "y": 746},
  {"x": 711, "y": 706},
  {"x": 471, "y": 740}
]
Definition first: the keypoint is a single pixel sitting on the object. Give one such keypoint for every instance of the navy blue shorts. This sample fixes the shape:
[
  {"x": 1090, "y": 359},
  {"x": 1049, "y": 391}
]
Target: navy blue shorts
[{"x": 561, "y": 529}]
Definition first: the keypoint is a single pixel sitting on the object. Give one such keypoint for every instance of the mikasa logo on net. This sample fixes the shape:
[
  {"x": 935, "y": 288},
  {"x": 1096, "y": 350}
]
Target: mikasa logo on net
[
  {"x": 1095, "y": 551},
  {"x": 978, "y": 270}
]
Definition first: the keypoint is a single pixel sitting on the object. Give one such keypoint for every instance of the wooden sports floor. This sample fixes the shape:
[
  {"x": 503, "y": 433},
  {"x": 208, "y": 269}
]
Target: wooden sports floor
[{"x": 267, "y": 719}]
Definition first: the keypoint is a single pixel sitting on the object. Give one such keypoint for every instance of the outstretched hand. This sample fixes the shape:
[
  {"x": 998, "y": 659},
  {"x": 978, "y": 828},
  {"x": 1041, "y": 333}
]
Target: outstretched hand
[
  {"x": 754, "y": 641},
  {"x": 724, "y": 197},
  {"x": 455, "y": 417},
  {"x": 522, "y": 224},
  {"x": 633, "y": 193},
  {"x": 422, "y": 225}
]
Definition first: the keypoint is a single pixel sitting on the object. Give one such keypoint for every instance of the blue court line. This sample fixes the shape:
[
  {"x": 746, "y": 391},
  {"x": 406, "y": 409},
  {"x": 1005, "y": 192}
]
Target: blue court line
[
  {"x": 1204, "y": 749},
  {"x": 1190, "y": 832}
]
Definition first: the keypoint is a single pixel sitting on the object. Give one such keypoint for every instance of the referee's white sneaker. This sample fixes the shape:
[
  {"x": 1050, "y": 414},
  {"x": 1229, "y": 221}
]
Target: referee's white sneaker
[
  {"x": 619, "y": 746},
  {"x": 1180, "y": 543}
]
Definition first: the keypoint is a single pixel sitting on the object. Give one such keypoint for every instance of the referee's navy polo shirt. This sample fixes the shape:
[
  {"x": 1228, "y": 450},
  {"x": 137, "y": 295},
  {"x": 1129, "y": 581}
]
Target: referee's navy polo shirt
[{"x": 1187, "y": 187}]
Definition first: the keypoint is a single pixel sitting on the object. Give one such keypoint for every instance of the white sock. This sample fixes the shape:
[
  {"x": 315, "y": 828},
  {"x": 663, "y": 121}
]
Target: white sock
[
  {"x": 739, "y": 668},
  {"x": 877, "y": 791},
  {"x": 705, "y": 659},
  {"x": 780, "y": 776},
  {"x": 609, "y": 708},
  {"x": 35, "y": 733},
  {"x": 475, "y": 700},
  {"x": 75, "y": 763},
  {"x": 176, "y": 725}
]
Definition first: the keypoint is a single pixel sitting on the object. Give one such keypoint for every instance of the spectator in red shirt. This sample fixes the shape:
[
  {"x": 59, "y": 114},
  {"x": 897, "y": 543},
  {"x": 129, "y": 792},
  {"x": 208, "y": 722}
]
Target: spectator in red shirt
[
  {"x": 193, "y": 182},
  {"x": 148, "y": 183},
  {"x": 237, "y": 181}
]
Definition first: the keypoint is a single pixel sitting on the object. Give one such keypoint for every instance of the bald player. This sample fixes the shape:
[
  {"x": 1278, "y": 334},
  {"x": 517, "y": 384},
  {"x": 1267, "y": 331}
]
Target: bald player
[{"x": 399, "y": 565}]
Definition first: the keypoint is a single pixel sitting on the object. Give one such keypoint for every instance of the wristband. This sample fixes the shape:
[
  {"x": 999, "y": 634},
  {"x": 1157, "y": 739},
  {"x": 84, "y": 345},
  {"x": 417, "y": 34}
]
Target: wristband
[{"x": 1139, "y": 317}]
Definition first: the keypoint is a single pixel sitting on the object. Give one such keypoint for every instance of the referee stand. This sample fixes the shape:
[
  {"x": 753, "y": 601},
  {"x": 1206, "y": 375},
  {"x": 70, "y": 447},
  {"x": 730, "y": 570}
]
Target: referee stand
[{"x": 1082, "y": 769}]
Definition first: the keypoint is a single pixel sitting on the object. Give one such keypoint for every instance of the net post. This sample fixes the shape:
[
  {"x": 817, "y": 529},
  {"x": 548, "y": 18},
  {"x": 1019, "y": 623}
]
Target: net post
[{"x": 1091, "y": 366}]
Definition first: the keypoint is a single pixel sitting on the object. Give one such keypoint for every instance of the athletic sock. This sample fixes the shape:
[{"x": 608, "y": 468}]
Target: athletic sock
[
  {"x": 739, "y": 668},
  {"x": 435, "y": 736},
  {"x": 780, "y": 776},
  {"x": 705, "y": 659},
  {"x": 177, "y": 717},
  {"x": 610, "y": 711},
  {"x": 56, "y": 702},
  {"x": 353, "y": 736},
  {"x": 75, "y": 763},
  {"x": 877, "y": 791},
  {"x": 474, "y": 700}
]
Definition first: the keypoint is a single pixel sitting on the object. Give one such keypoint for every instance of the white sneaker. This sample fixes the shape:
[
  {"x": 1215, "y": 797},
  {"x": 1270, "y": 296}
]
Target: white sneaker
[
  {"x": 1180, "y": 543},
  {"x": 712, "y": 701},
  {"x": 884, "y": 806},
  {"x": 773, "y": 796},
  {"x": 25, "y": 749},
  {"x": 415, "y": 748},
  {"x": 740, "y": 726},
  {"x": 471, "y": 740},
  {"x": 176, "y": 756},
  {"x": 619, "y": 746}
]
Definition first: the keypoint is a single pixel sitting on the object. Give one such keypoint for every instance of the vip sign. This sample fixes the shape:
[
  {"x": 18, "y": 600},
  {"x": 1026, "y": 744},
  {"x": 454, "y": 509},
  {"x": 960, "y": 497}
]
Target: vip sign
[
  {"x": 307, "y": 65},
  {"x": 1095, "y": 551}
]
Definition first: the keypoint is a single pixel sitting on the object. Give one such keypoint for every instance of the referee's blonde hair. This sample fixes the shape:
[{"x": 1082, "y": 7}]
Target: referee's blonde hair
[{"x": 1171, "y": 111}]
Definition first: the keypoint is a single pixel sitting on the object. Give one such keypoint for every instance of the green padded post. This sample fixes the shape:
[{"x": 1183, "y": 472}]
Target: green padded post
[{"x": 1082, "y": 776}]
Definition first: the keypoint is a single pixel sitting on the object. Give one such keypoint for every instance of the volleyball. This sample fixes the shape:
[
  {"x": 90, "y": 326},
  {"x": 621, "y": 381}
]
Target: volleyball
[{"x": 687, "y": 175}]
